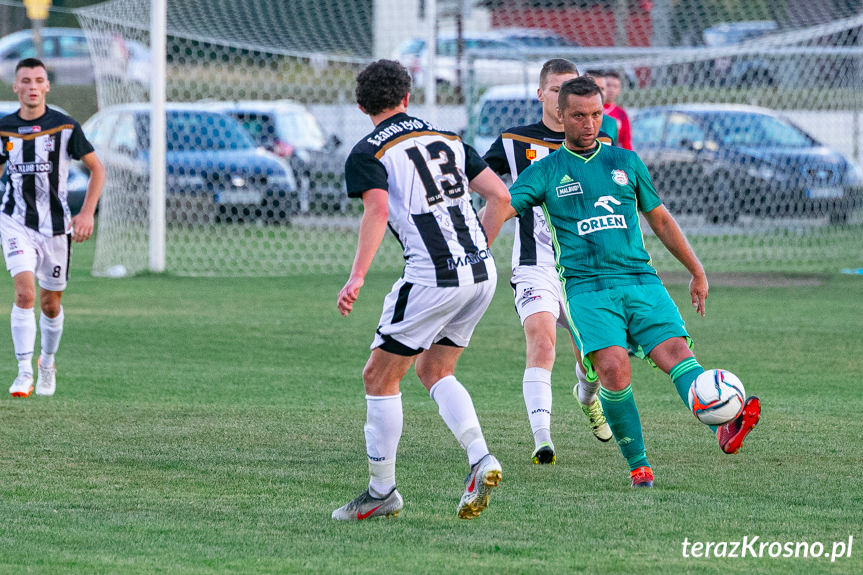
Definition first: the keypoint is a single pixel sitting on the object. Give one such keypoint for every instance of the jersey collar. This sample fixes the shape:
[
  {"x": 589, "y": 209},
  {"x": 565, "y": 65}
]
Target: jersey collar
[{"x": 599, "y": 146}]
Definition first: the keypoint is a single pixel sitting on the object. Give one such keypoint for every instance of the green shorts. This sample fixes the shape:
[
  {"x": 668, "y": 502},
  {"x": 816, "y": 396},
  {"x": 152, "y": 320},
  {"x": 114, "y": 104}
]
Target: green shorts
[{"x": 637, "y": 317}]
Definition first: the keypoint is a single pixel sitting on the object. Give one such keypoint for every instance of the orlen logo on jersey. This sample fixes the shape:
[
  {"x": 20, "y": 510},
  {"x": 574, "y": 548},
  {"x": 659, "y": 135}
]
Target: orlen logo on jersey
[
  {"x": 600, "y": 223},
  {"x": 28, "y": 168}
]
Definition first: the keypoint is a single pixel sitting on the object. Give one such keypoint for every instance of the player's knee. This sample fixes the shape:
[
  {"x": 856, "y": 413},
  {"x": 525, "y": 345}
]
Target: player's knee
[
  {"x": 613, "y": 373},
  {"x": 430, "y": 373},
  {"x": 540, "y": 351},
  {"x": 25, "y": 298},
  {"x": 50, "y": 308}
]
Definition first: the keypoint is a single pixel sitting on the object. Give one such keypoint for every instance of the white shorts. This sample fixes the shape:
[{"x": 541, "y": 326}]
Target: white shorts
[
  {"x": 26, "y": 250},
  {"x": 415, "y": 316},
  {"x": 536, "y": 289}
]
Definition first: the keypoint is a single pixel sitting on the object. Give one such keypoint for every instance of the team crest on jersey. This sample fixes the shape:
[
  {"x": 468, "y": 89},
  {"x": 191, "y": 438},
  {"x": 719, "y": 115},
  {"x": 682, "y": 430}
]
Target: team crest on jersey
[
  {"x": 619, "y": 177},
  {"x": 49, "y": 144},
  {"x": 10, "y": 146},
  {"x": 29, "y": 129},
  {"x": 530, "y": 154}
]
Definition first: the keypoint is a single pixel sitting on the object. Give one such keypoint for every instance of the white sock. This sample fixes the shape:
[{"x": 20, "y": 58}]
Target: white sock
[
  {"x": 536, "y": 387},
  {"x": 456, "y": 408},
  {"x": 586, "y": 390},
  {"x": 23, "y": 323},
  {"x": 51, "y": 329},
  {"x": 383, "y": 430}
]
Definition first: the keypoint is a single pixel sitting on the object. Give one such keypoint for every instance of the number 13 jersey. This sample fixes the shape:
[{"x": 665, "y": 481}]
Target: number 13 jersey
[{"x": 426, "y": 173}]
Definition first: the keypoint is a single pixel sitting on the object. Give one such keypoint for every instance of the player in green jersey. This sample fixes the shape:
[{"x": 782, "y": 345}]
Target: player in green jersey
[{"x": 591, "y": 195}]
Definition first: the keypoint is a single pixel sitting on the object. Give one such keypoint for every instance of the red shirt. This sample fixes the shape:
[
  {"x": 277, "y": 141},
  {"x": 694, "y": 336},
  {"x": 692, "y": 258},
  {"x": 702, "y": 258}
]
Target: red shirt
[{"x": 624, "y": 134}]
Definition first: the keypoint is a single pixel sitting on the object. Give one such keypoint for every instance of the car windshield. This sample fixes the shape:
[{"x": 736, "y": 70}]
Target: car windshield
[
  {"x": 499, "y": 115},
  {"x": 300, "y": 129},
  {"x": 192, "y": 131},
  {"x": 757, "y": 131},
  {"x": 449, "y": 46},
  {"x": 540, "y": 41}
]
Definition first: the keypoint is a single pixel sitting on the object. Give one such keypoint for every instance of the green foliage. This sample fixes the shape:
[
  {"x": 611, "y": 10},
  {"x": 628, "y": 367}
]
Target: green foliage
[{"x": 211, "y": 425}]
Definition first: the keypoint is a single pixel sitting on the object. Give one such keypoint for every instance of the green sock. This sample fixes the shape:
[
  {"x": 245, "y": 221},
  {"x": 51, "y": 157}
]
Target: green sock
[
  {"x": 622, "y": 416},
  {"x": 683, "y": 374}
]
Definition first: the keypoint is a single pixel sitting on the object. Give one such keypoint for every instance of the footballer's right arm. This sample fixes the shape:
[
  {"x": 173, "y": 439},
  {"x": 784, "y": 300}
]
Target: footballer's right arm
[
  {"x": 497, "y": 208},
  {"x": 373, "y": 226}
]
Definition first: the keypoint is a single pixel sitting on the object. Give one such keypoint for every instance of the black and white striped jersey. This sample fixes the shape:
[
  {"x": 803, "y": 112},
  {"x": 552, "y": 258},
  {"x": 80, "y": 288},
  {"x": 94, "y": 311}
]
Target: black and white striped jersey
[
  {"x": 426, "y": 173},
  {"x": 512, "y": 152},
  {"x": 37, "y": 154}
]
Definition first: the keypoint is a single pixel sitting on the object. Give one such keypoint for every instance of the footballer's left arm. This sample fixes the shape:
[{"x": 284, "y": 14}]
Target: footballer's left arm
[
  {"x": 83, "y": 222},
  {"x": 669, "y": 233}
]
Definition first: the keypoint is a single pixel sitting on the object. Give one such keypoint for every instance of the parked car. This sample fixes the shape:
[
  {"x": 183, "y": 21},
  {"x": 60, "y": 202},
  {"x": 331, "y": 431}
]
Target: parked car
[
  {"x": 289, "y": 130},
  {"x": 534, "y": 38},
  {"x": 501, "y": 108},
  {"x": 756, "y": 71},
  {"x": 76, "y": 185},
  {"x": 487, "y": 69},
  {"x": 213, "y": 168},
  {"x": 67, "y": 56},
  {"x": 723, "y": 161}
]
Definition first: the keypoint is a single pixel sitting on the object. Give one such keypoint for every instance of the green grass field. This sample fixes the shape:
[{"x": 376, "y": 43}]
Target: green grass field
[{"x": 211, "y": 426}]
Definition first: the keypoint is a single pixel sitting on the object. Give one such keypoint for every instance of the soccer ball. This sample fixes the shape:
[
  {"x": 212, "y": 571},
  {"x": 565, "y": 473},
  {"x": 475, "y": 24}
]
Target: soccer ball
[{"x": 716, "y": 397}]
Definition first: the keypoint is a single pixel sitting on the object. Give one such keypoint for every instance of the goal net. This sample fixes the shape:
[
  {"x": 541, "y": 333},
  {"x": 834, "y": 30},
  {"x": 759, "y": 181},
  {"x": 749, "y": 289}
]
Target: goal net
[{"x": 746, "y": 113}]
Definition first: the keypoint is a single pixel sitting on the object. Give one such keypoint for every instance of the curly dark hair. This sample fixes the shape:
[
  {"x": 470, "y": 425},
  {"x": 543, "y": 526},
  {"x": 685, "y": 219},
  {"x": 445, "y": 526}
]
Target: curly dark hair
[{"x": 382, "y": 85}]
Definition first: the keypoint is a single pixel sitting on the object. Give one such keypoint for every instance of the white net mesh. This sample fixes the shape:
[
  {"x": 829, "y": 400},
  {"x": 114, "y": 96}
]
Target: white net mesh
[{"x": 747, "y": 114}]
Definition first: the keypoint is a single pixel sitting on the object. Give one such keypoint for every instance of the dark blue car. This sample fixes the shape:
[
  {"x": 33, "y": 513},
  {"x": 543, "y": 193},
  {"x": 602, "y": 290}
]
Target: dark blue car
[
  {"x": 213, "y": 169},
  {"x": 722, "y": 161}
]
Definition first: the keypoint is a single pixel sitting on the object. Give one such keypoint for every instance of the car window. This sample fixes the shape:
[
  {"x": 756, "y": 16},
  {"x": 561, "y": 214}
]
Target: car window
[
  {"x": 124, "y": 139},
  {"x": 22, "y": 49},
  {"x": 259, "y": 126},
  {"x": 99, "y": 131},
  {"x": 647, "y": 129},
  {"x": 412, "y": 47},
  {"x": 192, "y": 130},
  {"x": 300, "y": 129},
  {"x": 499, "y": 115},
  {"x": 681, "y": 129},
  {"x": 540, "y": 41},
  {"x": 449, "y": 46},
  {"x": 758, "y": 130},
  {"x": 73, "y": 47}
]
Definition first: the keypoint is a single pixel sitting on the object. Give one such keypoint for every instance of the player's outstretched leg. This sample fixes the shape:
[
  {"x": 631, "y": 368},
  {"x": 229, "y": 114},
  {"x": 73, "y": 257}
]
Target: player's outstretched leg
[
  {"x": 455, "y": 407},
  {"x": 585, "y": 392},
  {"x": 484, "y": 475},
  {"x": 625, "y": 423},
  {"x": 366, "y": 506},
  {"x": 536, "y": 388},
  {"x": 732, "y": 434}
]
